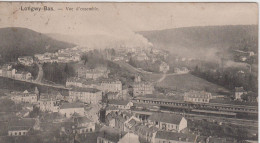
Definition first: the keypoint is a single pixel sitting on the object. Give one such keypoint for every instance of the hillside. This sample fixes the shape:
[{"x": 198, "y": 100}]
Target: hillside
[
  {"x": 198, "y": 40},
  {"x": 17, "y": 42}
]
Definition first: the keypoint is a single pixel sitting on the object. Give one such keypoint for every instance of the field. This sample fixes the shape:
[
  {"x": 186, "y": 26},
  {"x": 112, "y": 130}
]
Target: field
[{"x": 188, "y": 82}]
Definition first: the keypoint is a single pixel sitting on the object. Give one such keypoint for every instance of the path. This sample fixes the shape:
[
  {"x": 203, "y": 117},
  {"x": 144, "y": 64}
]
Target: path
[
  {"x": 130, "y": 67},
  {"x": 40, "y": 73},
  {"x": 162, "y": 78}
]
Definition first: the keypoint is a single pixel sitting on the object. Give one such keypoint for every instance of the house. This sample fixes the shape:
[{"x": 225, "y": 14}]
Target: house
[
  {"x": 239, "y": 91},
  {"x": 83, "y": 125},
  {"x": 121, "y": 104},
  {"x": 168, "y": 122},
  {"x": 113, "y": 96},
  {"x": 75, "y": 81},
  {"x": 110, "y": 119},
  {"x": 142, "y": 88},
  {"x": 87, "y": 95},
  {"x": 97, "y": 73},
  {"x": 109, "y": 135},
  {"x": 164, "y": 67},
  {"x": 146, "y": 133},
  {"x": 25, "y": 97},
  {"x": 22, "y": 126},
  {"x": 243, "y": 58},
  {"x": 181, "y": 70},
  {"x": 173, "y": 137},
  {"x": 68, "y": 109},
  {"x": 111, "y": 86},
  {"x": 49, "y": 102},
  {"x": 131, "y": 123},
  {"x": 22, "y": 75},
  {"x": 26, "y": 60},
  {"x": 197, "y": 96},
  {"x": 129, "y": 138},
  {"x": 142, "y": 56},
  {"x": 40, "y": 57}
]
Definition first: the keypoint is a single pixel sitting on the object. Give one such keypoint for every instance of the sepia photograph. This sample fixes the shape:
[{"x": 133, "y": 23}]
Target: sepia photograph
[{"x": 128, "y": 72}]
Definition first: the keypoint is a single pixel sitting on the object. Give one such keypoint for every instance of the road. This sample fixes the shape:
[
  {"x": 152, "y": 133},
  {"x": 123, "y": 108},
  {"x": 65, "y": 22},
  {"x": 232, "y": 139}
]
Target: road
[
  {"x": 38, "y": 83},
  {"x": 40, "y": 73},
  {"x": 128, "y": 66},
  {"x": 162, "y": 78}
]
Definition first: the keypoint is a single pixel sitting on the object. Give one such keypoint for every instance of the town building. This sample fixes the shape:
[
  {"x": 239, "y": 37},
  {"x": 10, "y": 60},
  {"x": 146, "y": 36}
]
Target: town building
[
  {"x": 25, "y": 97},
  {"x": 111, "y": 85},
  {"x": 22, "y": 126},
  {"x": 239, "y": 91},
  {"x": 121, "y": 104},
  {"x": 75, "y": 81},
  {"x": 49, "y": 102},
  {"x": 142, "y": 88},
  {"x": 111, "y": 119},
  {"x": 112, "y": 135},
  {"x": 114, "y": 96},
  {"x": 100, "y": 72},
  {"x": 83, "y": 125},
  {"x": 173, "y": 137},
  {"x": 181, "y": 70},
  {"x": 168, "y": 122},
  {"x": 23, "y": 75},
  {"x": 197, "y": 96},
  {"x": 68, "y": 109},
  {"x": 87, "y": 95},
  {"x": 142, "y": 56},
  {"x": 146, "y": 133},
  {"x": 26, "y": 60},
  {"x": 129, "y": 138}
]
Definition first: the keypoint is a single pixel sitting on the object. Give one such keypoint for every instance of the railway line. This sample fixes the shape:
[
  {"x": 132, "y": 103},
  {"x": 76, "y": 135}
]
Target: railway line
[{"x": 191, "y": 105}]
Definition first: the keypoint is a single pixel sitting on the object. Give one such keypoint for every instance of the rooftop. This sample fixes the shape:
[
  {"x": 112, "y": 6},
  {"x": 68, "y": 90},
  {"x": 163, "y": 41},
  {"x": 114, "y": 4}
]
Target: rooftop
[
  {"x": 81, "y": 120},
  {"x": 197, "y": 94},
  {"x": 166, "y": 117},
  {"x": 71, "y": 105},
  {"x": 21, "y": 122},
  {"x": 118, "y": 102},
  {"x": 175, "y": 136},
  {"x": 239, "y": 89},
  {"x": 111, "y": 134},
  {"x": 78, "y": 89}
]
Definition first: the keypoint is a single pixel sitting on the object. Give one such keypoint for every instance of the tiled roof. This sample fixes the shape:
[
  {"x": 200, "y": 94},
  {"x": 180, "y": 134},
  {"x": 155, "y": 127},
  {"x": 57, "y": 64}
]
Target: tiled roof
[
  {"x": 118, "y": 102},
  {"x": 18, "y": 128},
  {"x": 175, "y": 136},
  {"x": 71, "y": 105},
  {"x": 166, "y": 117},
  {"x": 110, "y": 134},
  {"x": 197, "y": 94},
  {"x": 92, "y": 90},
  {"x": 81, "y": 120},
  {"x": 112, "y": 93},
  {"x": 239, "y": 89},
  {"x": 24, "y": 122}
]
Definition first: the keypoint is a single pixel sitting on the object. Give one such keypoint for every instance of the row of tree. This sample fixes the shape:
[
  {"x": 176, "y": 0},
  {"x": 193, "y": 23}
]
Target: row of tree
[
  {"x": 58, "y": 72},
  {"x": 229, "y": 78}
]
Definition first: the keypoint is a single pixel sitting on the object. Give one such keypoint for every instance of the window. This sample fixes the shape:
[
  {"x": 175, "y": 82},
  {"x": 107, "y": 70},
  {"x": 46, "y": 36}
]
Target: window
[
  {"x": 15, "y": 133},
  {"x": 20, "y": 133}
]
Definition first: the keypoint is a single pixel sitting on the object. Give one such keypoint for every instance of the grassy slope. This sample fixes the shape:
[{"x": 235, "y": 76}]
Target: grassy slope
[{"x": 189, "y": 82}]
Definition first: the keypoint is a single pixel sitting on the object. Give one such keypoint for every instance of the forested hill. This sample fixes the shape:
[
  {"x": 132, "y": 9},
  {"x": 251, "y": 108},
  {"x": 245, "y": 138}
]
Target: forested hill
[
  {"x": 15, "y": 42},
  {"x": 237, "y": 36}
]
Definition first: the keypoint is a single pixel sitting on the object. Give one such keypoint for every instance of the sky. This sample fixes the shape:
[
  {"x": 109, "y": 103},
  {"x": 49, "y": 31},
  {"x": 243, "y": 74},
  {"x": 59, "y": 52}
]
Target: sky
[{"x": 121, "y": 20}]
